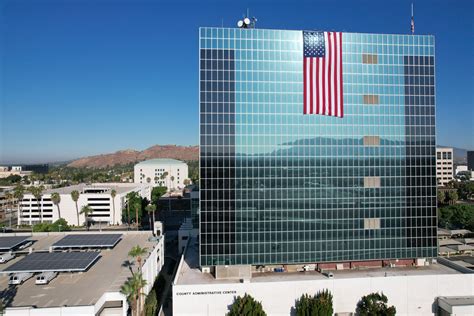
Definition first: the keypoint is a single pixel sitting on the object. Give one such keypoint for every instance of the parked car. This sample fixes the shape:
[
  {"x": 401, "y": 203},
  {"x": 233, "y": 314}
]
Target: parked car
[
  {"x": 19, "y": 278},
  {"x": 5, "y": 257},
  {"x": 45, "y": 277}
]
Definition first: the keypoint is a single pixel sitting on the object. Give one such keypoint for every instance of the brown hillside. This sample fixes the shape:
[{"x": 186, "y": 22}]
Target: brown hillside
[{"x": 123, "y": 157}]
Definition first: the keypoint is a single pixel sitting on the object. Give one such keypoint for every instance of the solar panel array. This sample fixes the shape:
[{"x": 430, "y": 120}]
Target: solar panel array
[
  {"x": 10, "y": 242},
  {"x": 54, "y": 261},
  {"x": 88, "y": 241}
]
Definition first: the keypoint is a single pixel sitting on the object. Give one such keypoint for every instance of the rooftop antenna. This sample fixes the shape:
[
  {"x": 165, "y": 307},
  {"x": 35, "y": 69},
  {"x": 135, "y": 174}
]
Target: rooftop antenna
[
  {"x": 412, "y": 21},
  {"x": 246, "y": 22}
]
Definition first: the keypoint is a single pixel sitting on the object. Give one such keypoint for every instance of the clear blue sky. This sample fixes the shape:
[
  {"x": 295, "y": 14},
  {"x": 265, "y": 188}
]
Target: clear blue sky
[{"x": 82, "y": 77}]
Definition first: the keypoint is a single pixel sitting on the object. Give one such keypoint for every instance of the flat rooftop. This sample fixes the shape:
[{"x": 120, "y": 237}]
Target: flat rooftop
[
  {"x": 106, "y": 187},
  {"x": 189, "y": 272},
  {"x": 160, "y": 161},
  {"x": 107, "y": 274}
]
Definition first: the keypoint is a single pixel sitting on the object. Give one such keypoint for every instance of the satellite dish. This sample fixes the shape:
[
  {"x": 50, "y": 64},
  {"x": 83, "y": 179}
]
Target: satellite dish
[
  {"x": 247, "y": 21},
  {"x": 240, "y": 23}
]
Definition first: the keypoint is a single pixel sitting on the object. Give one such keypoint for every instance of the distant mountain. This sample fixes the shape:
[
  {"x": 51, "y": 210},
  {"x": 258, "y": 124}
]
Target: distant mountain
[{"x": 127, "y": 156}]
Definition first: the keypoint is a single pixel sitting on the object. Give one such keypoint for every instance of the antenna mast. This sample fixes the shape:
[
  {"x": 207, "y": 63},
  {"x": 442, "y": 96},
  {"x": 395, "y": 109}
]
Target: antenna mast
[{"x": 412, "y": 21}]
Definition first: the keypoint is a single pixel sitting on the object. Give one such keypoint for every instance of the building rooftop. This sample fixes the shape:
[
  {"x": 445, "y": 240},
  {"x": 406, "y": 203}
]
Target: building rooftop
[
  {"x": 76, "y": 289},
  {"x": 100, "y": 187},
  {"x": 189, "y": 272},
  {"x": 160, "y": 161},
  {"x": 458, "y": 300}
]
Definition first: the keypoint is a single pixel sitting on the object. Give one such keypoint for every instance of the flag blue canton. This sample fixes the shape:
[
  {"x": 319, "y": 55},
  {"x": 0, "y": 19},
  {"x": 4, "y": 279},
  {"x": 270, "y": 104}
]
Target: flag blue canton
[{"x": 314, "y": 44}]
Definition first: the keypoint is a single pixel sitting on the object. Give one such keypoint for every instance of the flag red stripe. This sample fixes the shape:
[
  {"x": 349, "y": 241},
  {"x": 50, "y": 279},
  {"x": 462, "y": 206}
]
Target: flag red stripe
[
  {"x": 311, "y": 86},
  {"x": 336, "y": 74},
  {"x": 330, "y": 63},
  {"x": 318, "y": 66},
  {"x": 340, "y": 77},
  {"x": 304, "y": 87}
]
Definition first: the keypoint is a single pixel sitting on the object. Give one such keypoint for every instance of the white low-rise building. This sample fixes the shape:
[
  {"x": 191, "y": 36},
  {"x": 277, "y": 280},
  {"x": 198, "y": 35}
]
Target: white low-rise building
[
  {"x": 413, "y": 290},
  {"x": 93, "y": 292},
  {"x": 170, "y": 173},
  {"x": 98, "y": 196}
]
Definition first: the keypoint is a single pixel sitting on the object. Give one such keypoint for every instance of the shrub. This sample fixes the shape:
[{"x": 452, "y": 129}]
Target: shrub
[
  {"x": 59, "y": 225},
  {"x": 151, "y": 304},
  {"x": 317, "y": 305},
  {"x": 375, "y": 304},
  {"x": 246, "y": 306}
]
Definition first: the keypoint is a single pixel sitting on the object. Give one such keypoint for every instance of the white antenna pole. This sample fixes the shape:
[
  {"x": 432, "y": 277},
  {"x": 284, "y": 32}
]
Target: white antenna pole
[{"x": 412, "y": 21}]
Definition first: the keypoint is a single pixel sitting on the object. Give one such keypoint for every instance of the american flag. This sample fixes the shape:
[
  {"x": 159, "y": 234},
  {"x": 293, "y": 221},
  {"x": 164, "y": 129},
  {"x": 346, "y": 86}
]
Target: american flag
[{"x": 322, "y": 71}]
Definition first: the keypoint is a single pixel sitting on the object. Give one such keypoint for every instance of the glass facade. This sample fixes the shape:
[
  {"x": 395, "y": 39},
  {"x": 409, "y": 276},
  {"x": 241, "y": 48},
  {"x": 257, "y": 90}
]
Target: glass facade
[{"x": 278, "y": 186}]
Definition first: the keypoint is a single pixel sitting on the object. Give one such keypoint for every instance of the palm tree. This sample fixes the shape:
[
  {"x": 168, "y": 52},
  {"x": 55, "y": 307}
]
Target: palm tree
[
  {"x": 9, "y": 206},
  {"x": 56, "y": 199},
  {"x": 148, "y": 179},
  {"x": 156, "y": 179},
  {"x": 86, "y": 210},
  {"x": 37, "y": 192},
  {"x": 113, "y": 194},
  {"x": 164, "y": 175},
  {"x": 137, "y": 252},
  {"x": 186, "y": 182},
  {"x": 172, "y": 181},
  {"x": 75, "y": 197},
  {"x": 132, "y": 289},
  {"x": 19, "y": 193},
  {"x": 129, "y": 198},
  {"x": 151, "y": 208}
]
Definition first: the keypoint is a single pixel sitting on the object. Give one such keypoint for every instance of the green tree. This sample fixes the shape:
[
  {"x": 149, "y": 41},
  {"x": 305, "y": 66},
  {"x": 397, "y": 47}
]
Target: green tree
[
  {"x": 19, "y": 193},
  {"x": 56, "y": 199},
  {"x": 9, "y": 206},
  {"x": 134, "y": 202},
  {"x": 186, "y": 182},
  {"x": 37, "y": 192},
  {"x": 132, "y": 289},
  {"x": 75, "y": 197},
  {"x": 375, "y": 304},
  {"x": 304, "y": 306},
  {"x": 466, "y": 190},
  {"x": 246, "y": 306},
  {"x": 151, "y": 304},
  {"x": 137, "y": 253},
  {"x": 86, "y": 210},
  {"x": 113, "y": 194},
  {"x": 453, "y": 196},
  {"x": 441, "y": 197},
  {"x": 317, "y": 305},
  {"x": 458, "y": 216},
  {"x": 163, "y": 178},
  {"x": 157, "y": 193},
  {"x": 151, "y": 208}
]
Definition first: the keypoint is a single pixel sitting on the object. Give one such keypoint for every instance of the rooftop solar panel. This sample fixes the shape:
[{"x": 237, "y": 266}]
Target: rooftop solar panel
[
  {"x": 8, "y": 243},
  {"x": 88, "y": 241},
  {"x": 54, "y": 261}
]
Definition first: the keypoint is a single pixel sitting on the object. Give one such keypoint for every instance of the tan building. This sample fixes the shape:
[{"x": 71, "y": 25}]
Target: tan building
[{"x": 444, "y": 165}]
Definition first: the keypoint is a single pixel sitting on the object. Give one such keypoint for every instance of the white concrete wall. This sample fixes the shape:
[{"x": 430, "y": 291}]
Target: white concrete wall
[
  {"x": 411, "y": 295},
  {"x": 53, "y": 311},
  {"x": 178, "y": 171}
]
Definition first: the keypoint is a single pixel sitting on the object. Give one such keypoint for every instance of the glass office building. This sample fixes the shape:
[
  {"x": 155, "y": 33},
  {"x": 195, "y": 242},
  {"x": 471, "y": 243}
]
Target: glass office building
[{"x": 281, "y": 187}]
